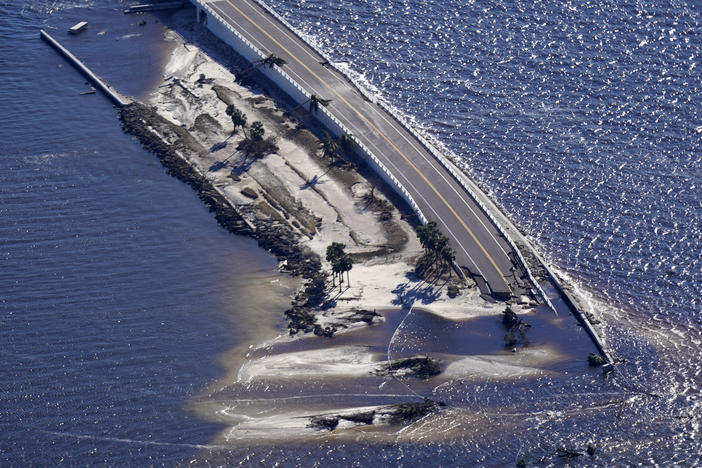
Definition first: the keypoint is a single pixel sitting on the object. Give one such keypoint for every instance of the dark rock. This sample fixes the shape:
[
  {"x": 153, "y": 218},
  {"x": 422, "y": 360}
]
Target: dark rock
[
  {"x": 419, "y": 366},
  {"x": 328, "y": 423},
  {"x": 569, "y": 453},
  {"x": 509, "y": 318},
  {"x": 363, "y": 315},
  {"x": 326, "y": 331},
  {"x": 516, "y": 328},
  {"x": 136, "y": 120},
  {"x": 279, "y": 239},
  {"x": 405, "y": 413},
  {"x": 402, "y": 413},
  {"x": 362, "y": 418}
]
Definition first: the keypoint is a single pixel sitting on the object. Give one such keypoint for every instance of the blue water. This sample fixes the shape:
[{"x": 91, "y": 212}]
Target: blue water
[
  {"x": 582, "y": 119},
  {"x": 118, "y": 290}
]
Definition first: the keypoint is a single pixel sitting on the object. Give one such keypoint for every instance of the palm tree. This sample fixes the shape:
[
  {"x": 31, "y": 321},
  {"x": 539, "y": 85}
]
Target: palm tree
[
  {"x": 448, "y": 255},
  {"x": 315, "y": 101},
  {"x": 271, "y": 60},
  {"x": 330, "y": 148},
  {"x": 346, "y": 141},
  {"x": 435, "y": 243},
  {"x": 428, "y": 235},
  {"x": 345, "y": 265},
  {"x": 334, "y": 252},
  {"x": 238, "y": 118}
]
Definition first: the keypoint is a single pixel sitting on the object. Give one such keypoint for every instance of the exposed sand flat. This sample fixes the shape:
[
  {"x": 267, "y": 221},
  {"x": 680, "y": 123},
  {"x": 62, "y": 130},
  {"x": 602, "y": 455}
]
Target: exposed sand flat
[
  {"x": 327, "y": 362},
  {"x": 296, "y": 169},
  {"x": 522, "y": 364},
  {"x": 297, "y": 186},
  {"x": 293, "y": 424}
]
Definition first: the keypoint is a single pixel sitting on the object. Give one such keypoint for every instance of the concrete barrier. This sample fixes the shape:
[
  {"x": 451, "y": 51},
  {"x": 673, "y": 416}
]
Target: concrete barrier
[{"x": 116, "y": 97}]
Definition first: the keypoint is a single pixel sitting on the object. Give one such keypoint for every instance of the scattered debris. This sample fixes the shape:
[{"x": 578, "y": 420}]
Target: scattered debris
[
  {"x": 596, "y": 360},
  {"x": 417, "y": 366},
  {"x": 78, "y": 28},
  {"x": 569, "y": 453},
  {"x": 516, "y": 329},
  {"x": 402, "y": 413},
  {"x": 328, "y": 423},
  {"x": 249, "y": 192}
]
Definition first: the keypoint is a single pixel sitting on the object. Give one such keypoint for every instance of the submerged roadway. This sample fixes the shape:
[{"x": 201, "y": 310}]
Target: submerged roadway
[{"x": 478, "y": 244}]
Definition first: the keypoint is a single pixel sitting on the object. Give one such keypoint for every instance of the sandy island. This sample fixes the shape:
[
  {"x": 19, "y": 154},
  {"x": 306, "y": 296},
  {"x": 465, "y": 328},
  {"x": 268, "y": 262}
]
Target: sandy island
[{"x": 295, "y": 202}]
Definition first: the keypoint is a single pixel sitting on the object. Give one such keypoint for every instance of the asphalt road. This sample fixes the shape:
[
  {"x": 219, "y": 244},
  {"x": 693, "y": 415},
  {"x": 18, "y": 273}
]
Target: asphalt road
[{"x": 479, "y": 245}]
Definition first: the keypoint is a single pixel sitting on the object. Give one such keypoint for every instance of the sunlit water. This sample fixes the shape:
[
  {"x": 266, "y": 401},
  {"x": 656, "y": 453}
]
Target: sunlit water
[{"x": 582, "y": 119}]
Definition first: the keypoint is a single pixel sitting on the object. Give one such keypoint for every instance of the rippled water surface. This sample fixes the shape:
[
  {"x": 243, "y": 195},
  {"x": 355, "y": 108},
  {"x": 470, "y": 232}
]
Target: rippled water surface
[
  {"x": 581, "y": 118},
  {"x": 118, "y": 290}
]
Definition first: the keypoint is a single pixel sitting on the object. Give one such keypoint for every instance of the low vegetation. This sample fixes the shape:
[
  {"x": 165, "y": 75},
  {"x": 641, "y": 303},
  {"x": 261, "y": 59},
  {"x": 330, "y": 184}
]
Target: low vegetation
[{"x": 254, "y": 144}]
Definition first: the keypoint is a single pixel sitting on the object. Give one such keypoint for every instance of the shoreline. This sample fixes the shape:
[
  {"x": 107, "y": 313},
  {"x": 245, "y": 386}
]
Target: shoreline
[{"x": 295, "y": 202}]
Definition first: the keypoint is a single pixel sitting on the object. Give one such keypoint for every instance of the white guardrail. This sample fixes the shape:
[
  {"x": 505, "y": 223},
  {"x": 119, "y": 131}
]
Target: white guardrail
[{"x": 300, "y": 95}]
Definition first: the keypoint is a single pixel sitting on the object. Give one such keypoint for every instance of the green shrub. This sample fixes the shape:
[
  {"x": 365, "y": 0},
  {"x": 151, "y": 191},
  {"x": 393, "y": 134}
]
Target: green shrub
[{"x": 596, "y": 360}]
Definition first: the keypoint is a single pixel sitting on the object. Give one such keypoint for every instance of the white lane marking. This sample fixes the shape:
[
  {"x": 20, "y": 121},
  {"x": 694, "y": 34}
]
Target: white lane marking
[{"x": 460, "y": 194}]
